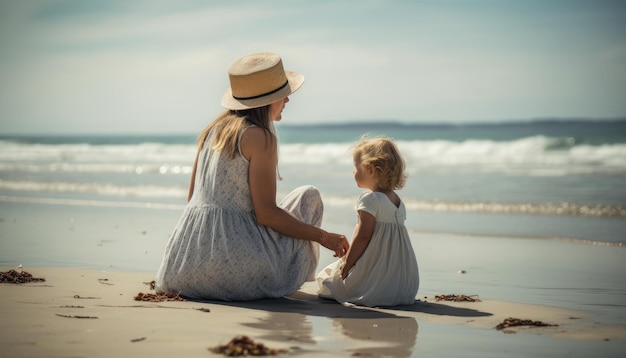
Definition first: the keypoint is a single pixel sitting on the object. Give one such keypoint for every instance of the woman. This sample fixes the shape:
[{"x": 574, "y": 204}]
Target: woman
[{"x": 233, "y": 242}]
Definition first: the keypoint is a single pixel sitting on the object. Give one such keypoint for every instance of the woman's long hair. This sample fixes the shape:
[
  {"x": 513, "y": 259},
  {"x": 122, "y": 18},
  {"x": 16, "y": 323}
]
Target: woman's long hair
[{"x": 228, "y": 125}]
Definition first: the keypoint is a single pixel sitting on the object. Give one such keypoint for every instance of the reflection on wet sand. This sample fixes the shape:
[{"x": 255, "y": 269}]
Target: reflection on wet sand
[
  {"x": 323, "y": 324},
  {"x": 398, "y": 335},
  {"x": 388, "y": 336},
  {"x": 285, "y": 327},
  {"x": 309, "y": 323}
]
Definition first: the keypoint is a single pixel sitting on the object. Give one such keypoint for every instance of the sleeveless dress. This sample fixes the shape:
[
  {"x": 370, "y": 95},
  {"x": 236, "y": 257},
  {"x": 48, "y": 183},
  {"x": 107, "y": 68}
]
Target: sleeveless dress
[
  {"x": 387, "y": 273},
  {"x": 218, "y": 250}
]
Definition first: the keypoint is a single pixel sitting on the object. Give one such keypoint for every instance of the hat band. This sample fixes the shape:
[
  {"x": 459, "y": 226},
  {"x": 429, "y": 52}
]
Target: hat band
[{"x": 264, "y": 94}]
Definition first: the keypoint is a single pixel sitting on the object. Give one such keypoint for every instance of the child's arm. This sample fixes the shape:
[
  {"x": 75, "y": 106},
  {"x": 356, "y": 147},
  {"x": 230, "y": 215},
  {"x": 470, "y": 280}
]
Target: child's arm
[{"x": 362, "y": 236}]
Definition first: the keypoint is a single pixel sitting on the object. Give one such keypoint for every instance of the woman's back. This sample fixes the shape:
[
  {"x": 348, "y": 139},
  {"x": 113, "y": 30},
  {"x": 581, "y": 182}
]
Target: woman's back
[{"x": 221, "y": 181}]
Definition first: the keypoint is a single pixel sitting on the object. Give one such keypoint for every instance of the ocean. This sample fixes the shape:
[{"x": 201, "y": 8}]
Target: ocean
[
  {"x": 545, "y": 179},
  {"x": 530, "y": 212}
]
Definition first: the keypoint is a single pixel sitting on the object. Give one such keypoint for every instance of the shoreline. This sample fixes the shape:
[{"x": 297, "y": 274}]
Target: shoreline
[
  {"x": 41, "y": 319},
  {"x": 175, "y": 209}
]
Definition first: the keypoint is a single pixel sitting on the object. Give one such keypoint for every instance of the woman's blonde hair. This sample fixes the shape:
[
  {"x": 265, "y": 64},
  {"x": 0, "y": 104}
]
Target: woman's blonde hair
[
  {"x": 228, "y": 125},
  {"x": 383, "y": 155}
]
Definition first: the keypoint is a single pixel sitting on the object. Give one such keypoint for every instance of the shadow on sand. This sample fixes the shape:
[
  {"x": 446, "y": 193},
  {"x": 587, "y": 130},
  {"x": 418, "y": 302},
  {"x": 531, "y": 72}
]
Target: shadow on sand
[
  {"x": 371, "y": 331},
  {"x": 312, "y": 305}
]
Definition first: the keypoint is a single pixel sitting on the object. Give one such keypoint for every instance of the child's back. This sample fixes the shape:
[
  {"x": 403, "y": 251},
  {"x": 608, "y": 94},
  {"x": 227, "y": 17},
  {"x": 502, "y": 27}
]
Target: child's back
[
  {"x": 380, "y": 268},
  {"x": 386, "y": 274}
]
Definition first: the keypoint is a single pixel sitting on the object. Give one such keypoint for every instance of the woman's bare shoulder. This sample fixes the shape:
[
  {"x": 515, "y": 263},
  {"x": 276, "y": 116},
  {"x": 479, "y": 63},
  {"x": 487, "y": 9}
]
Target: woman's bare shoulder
[
  {"x": 254, "y": 136},
  {"x": 252, "y": 132},
  {"x": 254, "y": 140}
]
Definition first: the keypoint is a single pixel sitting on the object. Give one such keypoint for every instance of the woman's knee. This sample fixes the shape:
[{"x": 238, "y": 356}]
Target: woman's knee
[{"x": 310, "y": 192}]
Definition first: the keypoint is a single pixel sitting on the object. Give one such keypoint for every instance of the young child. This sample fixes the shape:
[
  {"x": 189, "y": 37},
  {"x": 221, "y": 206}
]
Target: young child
[{"x": 380, "y": 268}]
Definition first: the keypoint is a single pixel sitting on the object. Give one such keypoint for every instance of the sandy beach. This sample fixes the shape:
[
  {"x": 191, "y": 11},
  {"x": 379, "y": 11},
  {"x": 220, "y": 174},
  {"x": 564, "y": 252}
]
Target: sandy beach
[
  {"x": 92, "y": 313},
  {"x": 96, "y": 260}
]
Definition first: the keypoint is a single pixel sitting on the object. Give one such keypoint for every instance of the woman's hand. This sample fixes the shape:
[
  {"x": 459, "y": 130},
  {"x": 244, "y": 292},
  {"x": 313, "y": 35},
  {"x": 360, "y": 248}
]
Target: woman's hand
[{"x": 335, "y": 242}]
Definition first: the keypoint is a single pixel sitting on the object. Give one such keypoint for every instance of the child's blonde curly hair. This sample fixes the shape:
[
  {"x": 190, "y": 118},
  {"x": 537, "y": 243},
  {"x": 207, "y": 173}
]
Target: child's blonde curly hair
[{"x": 383, "y": 155}]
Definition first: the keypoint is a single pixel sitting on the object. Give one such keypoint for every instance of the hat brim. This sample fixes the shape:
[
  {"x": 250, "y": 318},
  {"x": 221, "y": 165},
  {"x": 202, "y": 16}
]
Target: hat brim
[{"x": 294, "y": 81}]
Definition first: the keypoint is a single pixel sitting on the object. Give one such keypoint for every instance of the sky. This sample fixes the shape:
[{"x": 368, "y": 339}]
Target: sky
[{"x": 120, "y": 66}]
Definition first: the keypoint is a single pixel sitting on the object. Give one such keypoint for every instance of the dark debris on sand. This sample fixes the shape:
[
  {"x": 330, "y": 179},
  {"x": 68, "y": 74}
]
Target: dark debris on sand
[
  {"x": 457, "y": 298},
  {"x": 153, "y": 297},
  {"x": 516, "y": 322},
  {"x": 14, "y": 276},
  {"x": 243, "y": 346}
]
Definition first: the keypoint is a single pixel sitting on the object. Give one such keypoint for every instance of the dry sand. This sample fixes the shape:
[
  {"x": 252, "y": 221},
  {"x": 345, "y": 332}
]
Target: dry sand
[{"x": 91, "y": 313}]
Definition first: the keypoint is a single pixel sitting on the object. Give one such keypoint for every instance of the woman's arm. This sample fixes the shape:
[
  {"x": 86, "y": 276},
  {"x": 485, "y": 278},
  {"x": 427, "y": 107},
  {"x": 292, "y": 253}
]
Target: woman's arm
[
  {"x": 362, "y": 235},
  {"x": 263, "y": 158}
]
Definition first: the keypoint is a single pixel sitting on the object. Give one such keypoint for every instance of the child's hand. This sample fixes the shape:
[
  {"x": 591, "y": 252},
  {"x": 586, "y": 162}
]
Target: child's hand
[{"x": 344, "y": 273}]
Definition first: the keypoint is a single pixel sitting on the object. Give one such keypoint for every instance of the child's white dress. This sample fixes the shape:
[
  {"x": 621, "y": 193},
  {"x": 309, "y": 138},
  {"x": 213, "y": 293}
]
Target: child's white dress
[{"x": 386, "y": 274}]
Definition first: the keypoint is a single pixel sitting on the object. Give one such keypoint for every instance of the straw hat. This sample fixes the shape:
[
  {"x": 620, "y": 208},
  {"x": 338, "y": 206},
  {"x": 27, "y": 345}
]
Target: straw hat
[{"x": 257, "y": 80}]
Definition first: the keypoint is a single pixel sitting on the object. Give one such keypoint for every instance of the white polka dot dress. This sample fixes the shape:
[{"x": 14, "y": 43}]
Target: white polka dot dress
[{"x": 219, "y": 251}]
